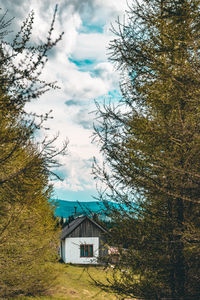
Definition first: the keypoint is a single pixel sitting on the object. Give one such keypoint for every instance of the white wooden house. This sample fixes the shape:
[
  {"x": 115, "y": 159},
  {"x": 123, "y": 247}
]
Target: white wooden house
[{"x": 82, "y": 241}]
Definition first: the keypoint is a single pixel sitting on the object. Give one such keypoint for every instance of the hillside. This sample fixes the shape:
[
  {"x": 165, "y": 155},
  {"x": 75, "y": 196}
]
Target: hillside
[{"x": 66, "y": 208}]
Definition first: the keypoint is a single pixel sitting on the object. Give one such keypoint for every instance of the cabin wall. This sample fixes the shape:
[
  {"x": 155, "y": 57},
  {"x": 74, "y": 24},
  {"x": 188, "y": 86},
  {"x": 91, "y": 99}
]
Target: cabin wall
[{"x": 72, "y": 250}]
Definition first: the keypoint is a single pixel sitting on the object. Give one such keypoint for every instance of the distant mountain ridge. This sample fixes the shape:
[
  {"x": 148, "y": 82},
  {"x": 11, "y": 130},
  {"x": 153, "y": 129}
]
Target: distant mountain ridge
[{"x": 66, "y": 208}]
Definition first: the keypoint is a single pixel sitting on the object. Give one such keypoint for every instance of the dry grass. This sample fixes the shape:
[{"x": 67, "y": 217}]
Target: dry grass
[{"x": 74, "y": 282}]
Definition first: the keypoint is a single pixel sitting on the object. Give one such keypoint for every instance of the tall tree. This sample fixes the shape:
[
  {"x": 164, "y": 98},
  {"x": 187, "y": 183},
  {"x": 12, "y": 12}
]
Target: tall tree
[
  {"x": 28, "y": 234},
  {"x": 151, "y": 143}
]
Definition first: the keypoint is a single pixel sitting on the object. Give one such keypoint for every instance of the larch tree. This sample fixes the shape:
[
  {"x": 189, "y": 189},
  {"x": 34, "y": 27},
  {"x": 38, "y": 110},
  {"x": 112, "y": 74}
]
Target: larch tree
[
  {"x": 150, "y": 143},
  {"x": 28, "y": 231}
]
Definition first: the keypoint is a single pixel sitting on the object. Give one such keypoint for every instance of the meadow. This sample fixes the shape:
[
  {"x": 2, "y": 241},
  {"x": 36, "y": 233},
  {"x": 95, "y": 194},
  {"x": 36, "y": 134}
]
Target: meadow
[{"x": 74, "y": 282}]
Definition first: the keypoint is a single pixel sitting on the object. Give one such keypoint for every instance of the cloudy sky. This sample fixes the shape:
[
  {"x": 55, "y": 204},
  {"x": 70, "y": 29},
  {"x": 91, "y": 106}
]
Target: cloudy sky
[{"x": 80, "y": 65}]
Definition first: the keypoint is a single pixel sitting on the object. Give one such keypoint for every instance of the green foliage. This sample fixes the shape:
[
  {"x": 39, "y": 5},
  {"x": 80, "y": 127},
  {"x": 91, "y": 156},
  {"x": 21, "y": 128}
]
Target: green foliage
[
  {"x": 28, "y": 229},
  {"x": 151, "y": 144}
]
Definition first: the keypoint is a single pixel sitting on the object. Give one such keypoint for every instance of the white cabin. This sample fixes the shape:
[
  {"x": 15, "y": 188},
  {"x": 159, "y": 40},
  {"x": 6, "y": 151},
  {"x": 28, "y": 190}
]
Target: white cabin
[{"x": 82, "y": 241}]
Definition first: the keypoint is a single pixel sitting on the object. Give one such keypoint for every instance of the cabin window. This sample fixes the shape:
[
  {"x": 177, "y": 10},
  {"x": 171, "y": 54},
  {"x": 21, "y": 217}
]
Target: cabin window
[{"x": 86, "y": 250}]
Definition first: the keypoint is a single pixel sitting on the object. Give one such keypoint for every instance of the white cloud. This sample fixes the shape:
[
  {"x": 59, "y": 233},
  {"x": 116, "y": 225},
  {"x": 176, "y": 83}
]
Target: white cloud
[
  {"x": 77, "y": 174},
  {"x": 106, "y": 72},
  {"x": 91, "y": 46},
  {"x": 72, "y": 104}
]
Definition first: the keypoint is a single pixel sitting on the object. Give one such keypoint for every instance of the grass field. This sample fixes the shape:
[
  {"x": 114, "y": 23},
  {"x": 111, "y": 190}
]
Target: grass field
[{"x": 74, "y": 282}]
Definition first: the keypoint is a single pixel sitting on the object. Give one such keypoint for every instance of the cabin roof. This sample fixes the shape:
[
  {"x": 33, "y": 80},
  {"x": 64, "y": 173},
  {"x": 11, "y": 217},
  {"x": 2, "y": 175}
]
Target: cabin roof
[{"x": 75, "y": 223}]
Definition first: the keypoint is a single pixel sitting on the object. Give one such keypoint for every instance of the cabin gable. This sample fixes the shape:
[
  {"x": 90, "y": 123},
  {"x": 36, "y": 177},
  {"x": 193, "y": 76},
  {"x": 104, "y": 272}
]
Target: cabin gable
[{"x": 86, "y": 229}]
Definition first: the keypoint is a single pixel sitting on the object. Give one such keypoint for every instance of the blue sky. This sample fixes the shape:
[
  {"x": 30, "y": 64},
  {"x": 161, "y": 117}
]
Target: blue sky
[{"x": 80, "y": 65}]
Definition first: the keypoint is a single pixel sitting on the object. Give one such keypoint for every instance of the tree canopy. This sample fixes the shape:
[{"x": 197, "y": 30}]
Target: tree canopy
[
  {"x": 28, "y": 231},
  {"x": 150, "y": 142}
]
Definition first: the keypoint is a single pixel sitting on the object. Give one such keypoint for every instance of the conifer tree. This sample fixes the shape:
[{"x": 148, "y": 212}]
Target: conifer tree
[
  {"x": 151, "y": 143},
  {"x": 28, "y": 232}
]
